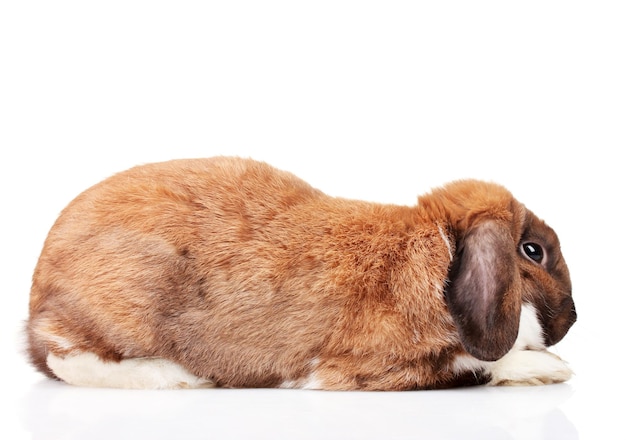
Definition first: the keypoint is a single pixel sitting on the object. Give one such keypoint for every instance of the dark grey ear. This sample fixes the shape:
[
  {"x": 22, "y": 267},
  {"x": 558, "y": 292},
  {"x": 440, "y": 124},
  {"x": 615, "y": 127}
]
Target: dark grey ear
[{"x": 484, "y": 293}]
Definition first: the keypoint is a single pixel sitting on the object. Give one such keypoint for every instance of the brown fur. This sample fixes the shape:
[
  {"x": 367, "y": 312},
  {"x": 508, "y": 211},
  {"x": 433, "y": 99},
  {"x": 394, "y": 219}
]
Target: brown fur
[{"x": 245, "y": 274}]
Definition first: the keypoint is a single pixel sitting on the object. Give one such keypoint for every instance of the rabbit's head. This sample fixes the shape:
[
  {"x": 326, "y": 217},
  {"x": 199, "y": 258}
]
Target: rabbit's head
[{"x": 504, "y": 257}]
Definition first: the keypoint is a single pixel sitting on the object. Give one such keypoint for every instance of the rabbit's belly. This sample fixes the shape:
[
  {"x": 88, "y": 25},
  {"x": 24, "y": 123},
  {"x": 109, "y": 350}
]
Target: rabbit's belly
[{"x": 87, "y": 369}]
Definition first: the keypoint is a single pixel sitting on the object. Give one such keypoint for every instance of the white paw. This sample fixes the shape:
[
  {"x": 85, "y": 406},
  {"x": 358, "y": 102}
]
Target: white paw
[
  {"x": 87, "y": 369},
  {"x": 529, "y": 367}
]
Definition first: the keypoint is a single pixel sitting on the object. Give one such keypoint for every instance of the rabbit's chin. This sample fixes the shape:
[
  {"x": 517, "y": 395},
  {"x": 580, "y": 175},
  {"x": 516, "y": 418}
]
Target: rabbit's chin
[{"x": 528, "y": 362}]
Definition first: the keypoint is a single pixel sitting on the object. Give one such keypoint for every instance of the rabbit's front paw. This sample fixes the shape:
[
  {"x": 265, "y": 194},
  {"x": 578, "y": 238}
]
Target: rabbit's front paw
[{"x": 529, "y": 367}]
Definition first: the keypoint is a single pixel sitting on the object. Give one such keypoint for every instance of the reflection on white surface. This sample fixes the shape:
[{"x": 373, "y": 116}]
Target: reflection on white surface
[{"x": 55, "y": 410}]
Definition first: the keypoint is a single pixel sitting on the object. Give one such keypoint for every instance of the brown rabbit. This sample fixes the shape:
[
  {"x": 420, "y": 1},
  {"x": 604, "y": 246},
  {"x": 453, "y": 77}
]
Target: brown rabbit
[{"x": 228, "y": 272}]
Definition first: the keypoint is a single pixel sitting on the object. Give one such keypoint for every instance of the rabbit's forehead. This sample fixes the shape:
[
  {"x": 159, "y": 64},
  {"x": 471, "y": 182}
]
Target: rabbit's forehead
[{"x": 535, "y": 228}]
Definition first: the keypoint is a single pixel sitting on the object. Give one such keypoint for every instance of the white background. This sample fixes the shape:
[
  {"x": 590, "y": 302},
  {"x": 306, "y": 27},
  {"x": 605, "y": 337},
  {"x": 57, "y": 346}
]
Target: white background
[{"x": 372, "y": 100}]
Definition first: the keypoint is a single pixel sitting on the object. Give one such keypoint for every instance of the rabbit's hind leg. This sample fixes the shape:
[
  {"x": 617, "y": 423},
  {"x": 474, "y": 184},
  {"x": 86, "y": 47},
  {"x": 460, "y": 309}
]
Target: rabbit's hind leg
[{"x": 89, "y": 370}]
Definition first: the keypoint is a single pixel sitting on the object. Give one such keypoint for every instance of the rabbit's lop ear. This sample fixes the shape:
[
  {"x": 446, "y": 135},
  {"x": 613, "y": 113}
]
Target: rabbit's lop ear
[{"x": 484, "y": 293}]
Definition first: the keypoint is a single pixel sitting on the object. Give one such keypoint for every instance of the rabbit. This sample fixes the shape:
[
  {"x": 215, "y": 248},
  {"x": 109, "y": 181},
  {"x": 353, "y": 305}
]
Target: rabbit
[{"x": 226, "y": 272}]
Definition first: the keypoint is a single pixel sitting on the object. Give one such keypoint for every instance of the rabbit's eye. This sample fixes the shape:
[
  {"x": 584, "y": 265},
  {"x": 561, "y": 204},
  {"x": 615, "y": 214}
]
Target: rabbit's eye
[{"x": 533, "y": 251}]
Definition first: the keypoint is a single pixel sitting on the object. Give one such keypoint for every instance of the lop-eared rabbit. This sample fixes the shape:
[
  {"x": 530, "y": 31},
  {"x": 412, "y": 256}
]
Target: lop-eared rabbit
[{"x": 227, "y": 272}]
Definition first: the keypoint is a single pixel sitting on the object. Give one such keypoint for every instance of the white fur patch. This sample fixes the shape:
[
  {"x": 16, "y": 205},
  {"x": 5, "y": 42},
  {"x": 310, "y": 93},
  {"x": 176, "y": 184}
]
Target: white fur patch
[
  {"x": 446, "y": 241},
  {"x": 289, "y": 384},
  {"x": 529, "y": 367},
  {"x": 87, "y": 369},
  {"x": 311, "y": 382},
  {"x": 530, "y": 334},
  {"x": 466, "y": 362}
]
